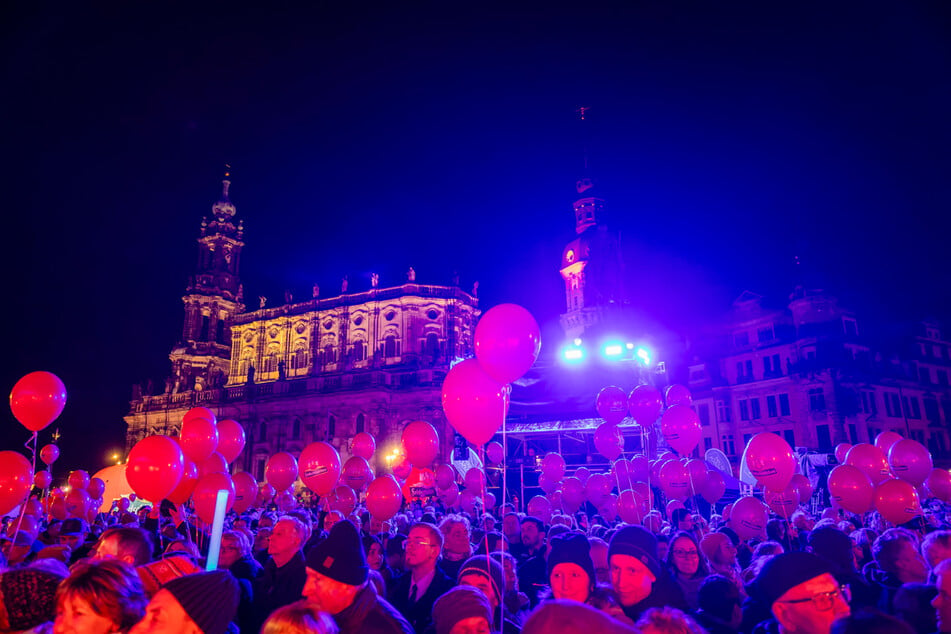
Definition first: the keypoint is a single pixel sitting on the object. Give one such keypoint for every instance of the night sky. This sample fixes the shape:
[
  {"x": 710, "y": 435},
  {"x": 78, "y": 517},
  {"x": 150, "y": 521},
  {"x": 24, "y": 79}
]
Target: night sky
[{"x": 725, "y": 139}]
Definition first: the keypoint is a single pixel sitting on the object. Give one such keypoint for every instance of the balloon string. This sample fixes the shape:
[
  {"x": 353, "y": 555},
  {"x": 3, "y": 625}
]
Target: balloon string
[
  {"x": 23, "y": 506},
  {"x": 483, "y": 493}
]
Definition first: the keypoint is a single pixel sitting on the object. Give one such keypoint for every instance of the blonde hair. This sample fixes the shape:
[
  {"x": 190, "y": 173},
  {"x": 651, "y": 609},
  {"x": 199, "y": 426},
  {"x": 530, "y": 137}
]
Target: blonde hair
[{"x": 299, "y": 618}]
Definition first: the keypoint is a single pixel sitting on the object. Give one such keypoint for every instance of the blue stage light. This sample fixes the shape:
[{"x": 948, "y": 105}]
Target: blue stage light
[
  {"x": 644, "y": 355},
  {"x": 613, "y": 350}
]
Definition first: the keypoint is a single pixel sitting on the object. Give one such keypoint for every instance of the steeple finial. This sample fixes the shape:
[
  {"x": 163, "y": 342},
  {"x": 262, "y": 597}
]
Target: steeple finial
[
  {"x": 226, "y": 182},
  {"x": 223, "y": 210}
]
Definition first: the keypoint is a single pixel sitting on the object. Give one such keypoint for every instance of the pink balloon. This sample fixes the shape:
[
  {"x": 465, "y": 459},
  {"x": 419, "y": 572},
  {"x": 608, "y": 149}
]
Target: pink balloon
[
  {"x": 608, "y": 441},
  {"x": 713, "y": 487},
  {"x": 488, "y": 501},
  {"x": 49, "y": 454},
  {"x": 494, "y": 452},
  {"x": 33, "y": 507},
  {"x": 58, "y": 508},
  {"x": 205, "y": 495},
  {"x": 612, "y": 404},
  {"x": 631, "y": 506},
  {"x": 449, "y": 495},
  {"x": 445, "y": 476},
  {"x": 285, "y": 501},
  {"x": 572, "y": 494},
  {"x": 186, "y": 485},
  {"x": 344, "y": 500},
  {"x": 42, "y": 479},
  {"x": 96, "y": 487},
  {"x": 841, "y": 450},
  {"x": 697, "y": 470},
  {"x": 37, "y": 400},
  {"x": 885, "y": 440},
  {"x": 748, "y": 518},
  {"x": 475, "y": 481},
  {"x": 597, "y": 488},
  {"x": 539, "y": 507},
  {"x": 938, "y": 484},
  {"x": 910, "y": 461},
  {"x": 784, "y": 502},
  {"x": 265, "y": 493},
  {"x": 357, "y": 473},
  {"x": 678, "y": 395},
  {"x": 77, "y": 503},
  {"x": 850, "y": 488},
  {"x": 507, "y": 342},
  {"x": 231, "y": 439},
  {"x": 674, "y": 480},
  {"x": 583, "y": 473},
  {"x": 770, "y": 460},
  {"x": 546, "y": 484},
  {"x": 897, "y": 501},
  {"x": 200, "y": 412},
  {"x": 245, "y": 491},
  {"x": 215, "y": 463},
  {"x": 155, "y": 467},
  {"x": 680, "y": 426},
  {"x": 622, "y": 473},
  {"x": 319, "y": 469},
  {"x": 644, "y": 404},
  {"x": 78, "y": 479},
  {"x": 673, "y": 505},
  {"x": 655, "y": 468},
  {"x": 667, "y": 455},
  {"x": 198, "y": 438},
  {"x": 871, "y": 460},
  {"x": 639, "y": 468},
  {"x": 363, "y": 445},
  {"x": 384, "y": 497},
  {"x": 553, "y": 466},
  {"x": 421, "y": 443},
  {"x": 281, "y": 470},
  {"x": 608, "y": 508},
  {"x": 475, "y": 404},
  {"x": 644, "y": 491},
  {"x": 803, "y": 487}
]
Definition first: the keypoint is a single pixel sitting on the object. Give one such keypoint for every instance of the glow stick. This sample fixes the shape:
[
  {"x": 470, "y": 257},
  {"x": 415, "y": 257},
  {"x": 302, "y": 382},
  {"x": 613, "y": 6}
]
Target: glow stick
[{"x": 221, "y": 503}]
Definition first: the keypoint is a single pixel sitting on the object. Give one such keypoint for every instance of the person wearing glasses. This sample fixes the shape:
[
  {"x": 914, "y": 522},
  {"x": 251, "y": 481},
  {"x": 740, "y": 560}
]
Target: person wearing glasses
[
  {"x": 686, "y": 566},
  {"x": 415, "y": 593},
  {"x": 802, "y": 594}
]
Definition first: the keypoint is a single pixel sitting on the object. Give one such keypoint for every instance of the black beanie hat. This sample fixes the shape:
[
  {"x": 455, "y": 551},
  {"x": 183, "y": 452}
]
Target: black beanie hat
[
  {"x": 209, "y": 598},
  {"x": 488, "y": 568},
  {"x": 783, "y": 572},
  {"x": 834, "y": 546},
  {"x": 340, "y": 556},
  {"x": 638, "y": 542},
  {"x": 461, "y": 602},
  {"x": 572, "y": 548}
]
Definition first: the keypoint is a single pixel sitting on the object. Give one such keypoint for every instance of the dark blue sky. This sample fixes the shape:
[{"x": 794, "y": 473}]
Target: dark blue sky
[{"x": 726, "y": 140}]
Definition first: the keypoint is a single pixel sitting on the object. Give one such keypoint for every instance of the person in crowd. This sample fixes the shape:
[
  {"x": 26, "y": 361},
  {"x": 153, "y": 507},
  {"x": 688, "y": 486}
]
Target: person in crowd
[
  {"x": 898, "y": 562},
  {"x": 532, "y": 569},
  {"x": 663, "y": 545},
  {"x": 202, "y": 603},
  {"x": 183, "y": 547},
  {"x": 719, "y": 605},
  {"x": 17, "y": 550},
  {"x": 778, "y": 531},
  {"x": 262, "y": 540},
  {"x": 299, "y": 618},
  {"x": 721, "y": 554},
  {"x": 862, "y": 541},
  {"x": 512, "y": 529},
  {"x": 912, "y": 604},
  {"x": 936, "y": 547},
  {"x": 331, "y": 518},
  {"x": 636, "y": 574},
  {"x": 685, "y": 564},
  {"x": 456, "y": 545},
  {"x": 667, "y": 621},
  {"x": 486, "y": 574},
  {"x": 835, "y": 547},
  {"x": 282, "y": 579},
  {"x": 570, "y": 617},
  {"x": 515, "y": 601},
  {"x": 570, "y": 568},
  {"x": 99, "y": 596},
  {"x": 337, "y": 583},
  {"x": 373, "y": 548},
  {"x": 599, "y": 556},
  {"x": 942, "y": 601},
  {"x": 415, "y": 592},
  {"x": 235, "y": 555},
  {"x": 73, "y": 533},
  {"x": 801, "y": 593},
  {"x": 763, "y": 552},
  {"x": 125, "y": 543},
  {"x": 462, "y": 610},
  {"x": 27, "y": 598},
  {"x": 395, "y": 556}
]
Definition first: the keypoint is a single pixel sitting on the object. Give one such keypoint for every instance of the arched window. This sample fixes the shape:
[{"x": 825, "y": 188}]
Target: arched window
[
  {"x": 295, "y": 429},
  {"x": 299, "y": 359},
  {"x": 432, "y": 345},
  {"x": 204, "y": 328},
  {"x": 262, "y": 432},
  {"x": 361, "y": 423},
  {"x": 220, "y": 331},
  {"x": 359, "y": 350},
  {"x": 270, "y": 362},
  {"x": 390, "y": 346},
  {"x": 329, "y": 356}
]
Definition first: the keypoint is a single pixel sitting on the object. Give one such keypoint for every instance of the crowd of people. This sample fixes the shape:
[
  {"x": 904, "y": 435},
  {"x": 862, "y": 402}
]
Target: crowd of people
[{"x": 428, "y": 570}]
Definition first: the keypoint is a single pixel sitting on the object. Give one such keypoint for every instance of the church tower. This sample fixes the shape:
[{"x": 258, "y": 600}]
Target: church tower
[{"x": 214, "y": 295}]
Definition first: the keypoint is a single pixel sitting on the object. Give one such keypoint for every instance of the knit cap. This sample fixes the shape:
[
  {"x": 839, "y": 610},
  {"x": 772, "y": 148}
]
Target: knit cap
[
  {"x": 210, "y": 599},
  {"x": 571, "y": 548},
  {"x": 638, "y": 542},
  {"x": 460, "y": 603},
  {"x": 156, "y": 574},
  {"x": 27, "y": 598},
  {"x": 711, "y": 543},
  {"x": 488, "y": 568},
  {"x": 340, "y": 556},
  {"x": 786, "y": 571}
]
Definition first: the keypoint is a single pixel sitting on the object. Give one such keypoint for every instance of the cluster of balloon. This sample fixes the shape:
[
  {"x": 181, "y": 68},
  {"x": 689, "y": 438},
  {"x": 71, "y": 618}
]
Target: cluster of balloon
[
  {"x": 871, "y": 460},
  {"x": 680, "y": 426},
  {"x": 938, "y": 484},
  {"x": 771, "y": 461},
  {"x": 446, "y": 488},
  {"x": 475, "y": 393}
]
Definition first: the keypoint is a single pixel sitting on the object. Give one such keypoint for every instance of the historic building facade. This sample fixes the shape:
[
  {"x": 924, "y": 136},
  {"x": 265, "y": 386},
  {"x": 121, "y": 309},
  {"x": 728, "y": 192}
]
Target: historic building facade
[{"x": 323, "y": 369}]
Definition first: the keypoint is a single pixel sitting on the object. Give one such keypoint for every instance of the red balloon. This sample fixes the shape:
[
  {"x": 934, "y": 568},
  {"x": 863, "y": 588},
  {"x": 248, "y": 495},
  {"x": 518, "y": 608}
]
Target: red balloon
[
  {"x": 680, "y": 426},
  {"x": 871, "y": 460},
  {"x": 265, "y": 493},
  {"x": 713, "y": 487},
  {"x": 553, "y": 466},
  {"x": 507, "y": 342},
  {"x": 124, "y": 504},
  {"x": 49, "y": 454},
  {"x": 783, "y": 502},
  {"x": 245, "y": 491},
  {"x": 281, "y": 469},
  {"x": 748, "y": 518},
  {"x": 445, "y": 476},
  {"x": 608, "y": 441},
  {"x": 33, "y": 507},
  {"x": 78, "y": 479},
  {"x": 449, "y": 495},
  {"x": 231, "y": 439},
  {"x": 320, "y": 469},
  {"x": 910, "y": 461},
  {"x": 539, "y": 507},
  {"x": 645, "y": 403},
  {"x": 583, "y": 473},
  {"x": 938, "y": 484},
  {"x": 770, "y": 460},
  {"x": 851, "y": 488},
  {"x": 841, "y": 450},
  {"x": 697, "y": 470},
  {"x": 572, "y": 494},
  {"x": 285, "y": 501},
  {"x": 885, "y": 440},
  {"x": 43, "y": 479},
  {"x": 674, "y": 480},
  {"x": 622, "y": 473},
  {"x": 475, "y": 404},
  {"x": 494, "y": 453},
  {"x": 205, "y": 495},
  {"x": 363, "y": 445},
  {"x": 38, "y": 399},
  {"x": 803, "y": 487},
  {"x": 58, "y": 508},
  {"x": 597, "y": 488},
  {"x": 678, "y": 395},
  {"x": 546, "y": 484},
  {"x": 421, "y": 443},
  {"x": 612, "y": 404},
  {"x": 215, "y": 463},
  {"x": 77, "y": 503},
  {"x": 384, "y": 498},
  {"x": 198, "y": 438},
  {"x": 475, "y": 481},
  {"x": 16, "y": 478},
  {"x": 343, "y": 500},
  {"x": 897, "y": 501},
  {"x": 96, "y": 488},
  {"x": 186, "y": 485},
  {"x": 631, "y": 506},
  {"x": 402, "y": 468},
  {"x": 357, "y": 473},
  {"x": 608, "y": 508},
  {"x": 200, "y": 412},
  {"x": 639, "y": 468},
  {"x": 155, "y": 467}
]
